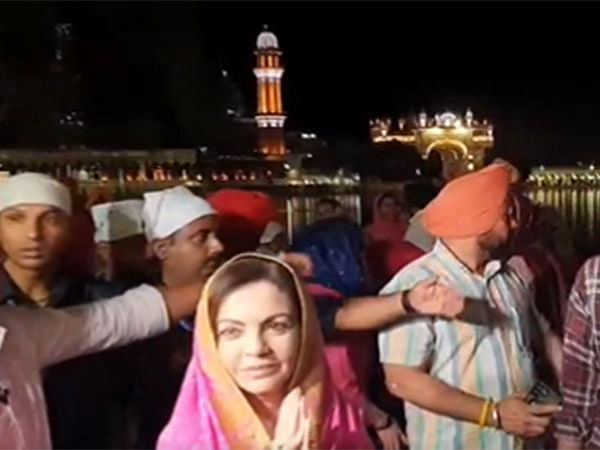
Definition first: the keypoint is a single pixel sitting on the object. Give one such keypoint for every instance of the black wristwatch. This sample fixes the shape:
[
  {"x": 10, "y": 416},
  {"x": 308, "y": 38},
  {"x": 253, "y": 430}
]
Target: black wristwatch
[{"x": 408, "y": 308}]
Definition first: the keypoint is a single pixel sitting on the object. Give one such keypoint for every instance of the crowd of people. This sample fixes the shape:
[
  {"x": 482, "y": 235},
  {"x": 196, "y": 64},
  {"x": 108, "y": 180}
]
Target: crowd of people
[{"x": 461, "y": 318}]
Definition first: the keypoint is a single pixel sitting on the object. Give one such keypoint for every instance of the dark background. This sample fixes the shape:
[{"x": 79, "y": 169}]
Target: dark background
[{"x": 150, "y": 73}]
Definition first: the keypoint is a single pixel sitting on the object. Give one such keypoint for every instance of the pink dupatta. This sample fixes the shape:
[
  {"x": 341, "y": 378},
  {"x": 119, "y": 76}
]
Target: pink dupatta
[{"x": 211, "y": 412}]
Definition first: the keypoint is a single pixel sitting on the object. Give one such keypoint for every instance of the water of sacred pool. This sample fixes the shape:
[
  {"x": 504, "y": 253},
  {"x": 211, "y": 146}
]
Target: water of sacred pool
[{"x": 579, "y": 206}]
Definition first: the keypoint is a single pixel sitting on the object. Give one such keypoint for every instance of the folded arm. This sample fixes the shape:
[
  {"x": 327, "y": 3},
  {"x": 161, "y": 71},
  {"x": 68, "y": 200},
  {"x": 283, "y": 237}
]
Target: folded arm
[{"x": 427, "y": 392}]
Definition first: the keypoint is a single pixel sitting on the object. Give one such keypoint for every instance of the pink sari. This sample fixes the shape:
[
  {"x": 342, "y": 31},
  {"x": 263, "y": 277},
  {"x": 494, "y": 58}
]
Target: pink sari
[{"x": 212, "y": 412}]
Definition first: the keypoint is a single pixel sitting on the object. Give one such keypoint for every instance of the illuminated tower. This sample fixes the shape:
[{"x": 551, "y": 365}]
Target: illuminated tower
[{"x": 269, "y": 109}]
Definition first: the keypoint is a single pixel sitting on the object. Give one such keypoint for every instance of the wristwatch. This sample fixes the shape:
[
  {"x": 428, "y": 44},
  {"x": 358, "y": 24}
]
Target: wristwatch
[{"x": 408, "y": 308}]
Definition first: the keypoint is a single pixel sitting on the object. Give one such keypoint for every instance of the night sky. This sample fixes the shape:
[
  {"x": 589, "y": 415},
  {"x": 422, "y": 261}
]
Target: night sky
[{"x": 531, "y": 68}]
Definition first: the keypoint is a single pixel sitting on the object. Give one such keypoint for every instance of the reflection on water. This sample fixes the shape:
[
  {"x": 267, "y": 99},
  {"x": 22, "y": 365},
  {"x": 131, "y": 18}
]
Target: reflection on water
[
  {"x": 300, "y": 209},
  {"x": 579, "y": 206}
]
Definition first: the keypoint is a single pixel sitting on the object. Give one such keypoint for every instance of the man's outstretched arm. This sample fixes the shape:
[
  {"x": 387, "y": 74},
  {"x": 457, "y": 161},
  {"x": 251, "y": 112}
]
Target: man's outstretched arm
[
  {"x": 139, "y": 313},
  {"x": 428, "y": 297}
]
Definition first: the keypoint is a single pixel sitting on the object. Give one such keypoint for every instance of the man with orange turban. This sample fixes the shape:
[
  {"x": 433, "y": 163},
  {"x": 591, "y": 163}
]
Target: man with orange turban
[{"x": 463, "y": 379}]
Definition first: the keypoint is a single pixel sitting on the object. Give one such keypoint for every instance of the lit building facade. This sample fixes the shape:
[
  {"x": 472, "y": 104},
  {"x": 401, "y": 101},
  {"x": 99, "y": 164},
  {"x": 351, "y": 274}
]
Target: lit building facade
[
  {"x": 460, "y": 141},
  {"x": 561, "y": 176},
  {"x": 270, "y": 117}
]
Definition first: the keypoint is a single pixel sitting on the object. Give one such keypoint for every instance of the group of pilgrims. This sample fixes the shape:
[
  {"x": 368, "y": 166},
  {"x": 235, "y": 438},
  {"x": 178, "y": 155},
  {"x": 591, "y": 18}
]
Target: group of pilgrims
[{"x": 181, "y": 322}]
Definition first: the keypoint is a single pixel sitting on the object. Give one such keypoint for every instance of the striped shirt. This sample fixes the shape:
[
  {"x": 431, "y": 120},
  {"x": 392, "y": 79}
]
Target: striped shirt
[
  {"x": 487, "y": 353},
  {"x": 579, "y": 418}
]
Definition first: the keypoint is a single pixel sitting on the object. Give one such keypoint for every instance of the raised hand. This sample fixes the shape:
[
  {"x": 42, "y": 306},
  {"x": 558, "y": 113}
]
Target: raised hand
[
  {"x": 300, "y": 262},
  {"x": 431, "y": 297}
]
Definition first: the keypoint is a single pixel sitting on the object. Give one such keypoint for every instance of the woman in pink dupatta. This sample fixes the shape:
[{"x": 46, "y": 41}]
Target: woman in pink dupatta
[
  {"x": 214, "y": 412},
  {"x": 386, "y": 232}
]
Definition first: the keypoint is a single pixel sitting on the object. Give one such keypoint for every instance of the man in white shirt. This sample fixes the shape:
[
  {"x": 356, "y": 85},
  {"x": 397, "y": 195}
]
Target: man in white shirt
[
  {"x": 34, "y": 215},
  {"x": 32, "y": 339}
]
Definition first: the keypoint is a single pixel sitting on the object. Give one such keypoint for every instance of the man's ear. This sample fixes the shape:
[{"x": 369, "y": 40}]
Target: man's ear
[{"x": 160, "y": 248}]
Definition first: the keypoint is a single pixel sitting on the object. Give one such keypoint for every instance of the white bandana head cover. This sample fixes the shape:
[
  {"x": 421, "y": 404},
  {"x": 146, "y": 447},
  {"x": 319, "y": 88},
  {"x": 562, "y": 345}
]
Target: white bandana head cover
[
  {"x": 32, "y": 188},
  {"x": 117, "y": 220},
  {"x": 271, "y": 231},
  {"x": 167, "y": 211}
]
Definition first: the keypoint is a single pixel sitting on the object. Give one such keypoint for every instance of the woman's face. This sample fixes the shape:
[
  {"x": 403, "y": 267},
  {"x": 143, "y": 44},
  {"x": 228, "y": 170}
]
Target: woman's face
[
  {"x": 258, "y": 337},
  {"x": 389, "y": 209}
]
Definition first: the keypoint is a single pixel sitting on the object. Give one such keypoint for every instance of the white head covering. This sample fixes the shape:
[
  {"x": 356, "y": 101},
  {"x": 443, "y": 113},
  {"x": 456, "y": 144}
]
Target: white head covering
[
  {"x": 271, "y": 231},
  {"x": 31, "y": 188},
  {"x": 166, "y": 212},
  {"x": 117, "y": 220}
]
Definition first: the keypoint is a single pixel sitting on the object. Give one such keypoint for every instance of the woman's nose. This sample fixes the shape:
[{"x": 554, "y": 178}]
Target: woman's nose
[{"x": 256, "y": 345}]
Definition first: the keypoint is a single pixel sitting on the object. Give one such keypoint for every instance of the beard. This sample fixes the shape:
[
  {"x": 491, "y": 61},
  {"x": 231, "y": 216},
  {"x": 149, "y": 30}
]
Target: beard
[{"x": 497, "y": 247}]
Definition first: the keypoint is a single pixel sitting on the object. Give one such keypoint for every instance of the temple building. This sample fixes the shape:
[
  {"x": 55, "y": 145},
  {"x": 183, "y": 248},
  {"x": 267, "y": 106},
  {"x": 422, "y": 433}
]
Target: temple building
[{"x": 461, "y": 142}]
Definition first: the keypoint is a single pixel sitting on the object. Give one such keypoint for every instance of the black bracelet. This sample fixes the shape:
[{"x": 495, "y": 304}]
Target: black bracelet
[
  {"x": 408, "y": 308},
  {"x": 388, "y": 423}
]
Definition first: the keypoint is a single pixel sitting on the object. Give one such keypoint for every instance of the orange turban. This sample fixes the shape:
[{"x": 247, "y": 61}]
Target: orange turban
[
  {"x": 469, "y": 205},
  {"x": 243, "y": 216}
]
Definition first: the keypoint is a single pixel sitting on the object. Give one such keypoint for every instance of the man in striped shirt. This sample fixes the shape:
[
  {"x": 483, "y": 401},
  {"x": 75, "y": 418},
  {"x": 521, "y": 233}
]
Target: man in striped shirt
[
  {"x": 578, "y": 423},
  {"x": 464, "y": 379}
]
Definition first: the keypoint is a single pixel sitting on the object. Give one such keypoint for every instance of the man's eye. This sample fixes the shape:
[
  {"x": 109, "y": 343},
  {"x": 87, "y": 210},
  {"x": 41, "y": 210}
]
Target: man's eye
[
  {"x": 199, "y": 238},
  {"x": 51, "y": 218}
]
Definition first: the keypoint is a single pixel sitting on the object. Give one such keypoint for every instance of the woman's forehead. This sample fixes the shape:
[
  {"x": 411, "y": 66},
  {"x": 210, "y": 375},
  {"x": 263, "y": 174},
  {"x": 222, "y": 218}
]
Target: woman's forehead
[{"x": 255, "y": 300}]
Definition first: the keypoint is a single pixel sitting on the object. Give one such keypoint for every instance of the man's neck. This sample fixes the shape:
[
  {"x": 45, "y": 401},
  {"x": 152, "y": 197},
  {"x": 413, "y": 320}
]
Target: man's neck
[
  {"x": 34, "y": 284},
  {"x": 170, "y": 279},
  {"x": 469, "y": 252}
]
